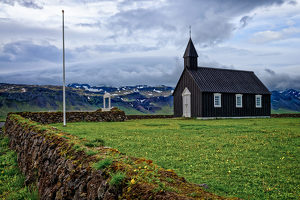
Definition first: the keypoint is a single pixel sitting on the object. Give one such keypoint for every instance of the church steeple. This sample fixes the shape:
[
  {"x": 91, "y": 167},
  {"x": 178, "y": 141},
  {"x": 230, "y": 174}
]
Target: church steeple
[{"x": 190, "y": 56}]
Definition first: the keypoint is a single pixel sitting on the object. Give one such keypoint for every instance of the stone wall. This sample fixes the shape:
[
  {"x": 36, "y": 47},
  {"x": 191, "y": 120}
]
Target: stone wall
[
  {"x": 49, "y": 160},
  {"x": 57, "y": 117},
  {"x": 285, "y": 115}
]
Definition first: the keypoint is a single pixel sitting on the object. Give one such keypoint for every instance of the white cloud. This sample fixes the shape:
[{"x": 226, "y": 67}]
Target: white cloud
[
  {"x": 269, "y": 36},
  {"x": 266, "y": 36}
]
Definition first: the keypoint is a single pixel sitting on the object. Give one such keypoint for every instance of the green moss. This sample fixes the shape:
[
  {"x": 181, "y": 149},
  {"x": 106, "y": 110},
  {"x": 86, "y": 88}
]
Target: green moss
[
  {"x": 117, "y": 178},
  {"x": 102, "y": 164},
  {"x": 161, "y": 187},
  {"x": 90, "y": 152},
  {"x": 169, "y": 180},
  {"x": 66, "y": 137},
  {"x": 94, "y": 143},
  {"x": 194, "y": 194}
]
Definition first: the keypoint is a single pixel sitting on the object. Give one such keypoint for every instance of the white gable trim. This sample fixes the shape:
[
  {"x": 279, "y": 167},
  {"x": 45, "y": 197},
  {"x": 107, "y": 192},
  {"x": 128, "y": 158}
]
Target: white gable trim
[{"x": 186, "y": 92}]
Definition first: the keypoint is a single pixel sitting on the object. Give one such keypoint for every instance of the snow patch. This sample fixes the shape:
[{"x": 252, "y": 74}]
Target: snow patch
[
  {"x": 158, "y": 91},
  {"x": 94, "y": 90}
]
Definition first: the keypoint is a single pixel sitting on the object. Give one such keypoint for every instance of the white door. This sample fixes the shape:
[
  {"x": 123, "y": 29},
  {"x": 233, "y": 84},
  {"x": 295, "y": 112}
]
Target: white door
[{"x": 186, "y": 103}]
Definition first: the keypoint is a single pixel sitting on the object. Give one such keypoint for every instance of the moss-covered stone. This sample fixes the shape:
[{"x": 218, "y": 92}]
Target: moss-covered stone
[{"x": 57, "y": 117}]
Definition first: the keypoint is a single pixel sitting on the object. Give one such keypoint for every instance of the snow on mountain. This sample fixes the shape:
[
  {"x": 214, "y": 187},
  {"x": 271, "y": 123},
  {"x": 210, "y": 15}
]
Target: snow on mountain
[{"x": 288, "y": 99}]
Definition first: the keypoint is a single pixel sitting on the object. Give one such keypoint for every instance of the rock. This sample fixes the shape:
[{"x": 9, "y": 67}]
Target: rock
[
  {"x": 203, "y": 185},
  {"x": 102, "y": 189}
]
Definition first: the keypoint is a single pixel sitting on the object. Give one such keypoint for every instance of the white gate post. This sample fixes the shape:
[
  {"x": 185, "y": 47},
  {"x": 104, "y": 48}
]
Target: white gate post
[
  {"x": 106, "y": 107},
  {"x": 109, "y": 104},
  {"x": 104, "y": 102}
]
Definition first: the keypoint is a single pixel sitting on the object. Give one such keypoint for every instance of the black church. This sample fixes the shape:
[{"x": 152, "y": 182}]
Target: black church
[{"x": 205, "y": 92}]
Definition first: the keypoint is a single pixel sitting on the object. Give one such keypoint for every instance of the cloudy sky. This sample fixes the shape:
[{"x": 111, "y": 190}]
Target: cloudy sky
[{"x": 129, "y": 42}]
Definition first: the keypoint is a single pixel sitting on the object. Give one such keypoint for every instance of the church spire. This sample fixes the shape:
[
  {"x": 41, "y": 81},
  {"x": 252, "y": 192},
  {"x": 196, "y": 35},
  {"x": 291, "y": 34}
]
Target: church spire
[{"x": 190, "y": 56}]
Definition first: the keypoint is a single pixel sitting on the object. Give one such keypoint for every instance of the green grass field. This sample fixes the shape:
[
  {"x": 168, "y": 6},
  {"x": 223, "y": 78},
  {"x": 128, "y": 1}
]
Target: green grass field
[
  {"x": 2, "y": 118},
  {"x": 283, "y": 111},
  {"x": 246, "y": 158},
  {"x": 11, "y": 179}
]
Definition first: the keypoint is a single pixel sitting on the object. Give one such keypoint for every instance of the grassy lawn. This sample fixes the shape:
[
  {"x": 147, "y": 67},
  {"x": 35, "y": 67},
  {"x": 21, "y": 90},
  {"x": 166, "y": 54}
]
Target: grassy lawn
[
  {"x": 247, "y": 158},
  {"x": 2, "y": 118},
  {"x": 283, "y": 111},
  {"x": 11, "y": 179}
]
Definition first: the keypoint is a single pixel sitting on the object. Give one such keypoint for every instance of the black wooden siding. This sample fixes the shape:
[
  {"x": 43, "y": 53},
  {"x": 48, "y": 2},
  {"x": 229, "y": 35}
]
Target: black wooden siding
[
  {"x": 187, "y": 81},
  {"x": 228, "y": 107}
]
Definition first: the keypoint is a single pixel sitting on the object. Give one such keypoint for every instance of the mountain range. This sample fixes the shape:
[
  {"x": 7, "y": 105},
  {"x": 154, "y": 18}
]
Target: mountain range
[{"x": 139, "y": 99}]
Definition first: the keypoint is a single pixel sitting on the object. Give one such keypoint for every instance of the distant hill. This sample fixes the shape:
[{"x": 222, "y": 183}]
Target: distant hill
[
  {"x": 139, "y": 99},
  {"x": 286, "y": 101}
]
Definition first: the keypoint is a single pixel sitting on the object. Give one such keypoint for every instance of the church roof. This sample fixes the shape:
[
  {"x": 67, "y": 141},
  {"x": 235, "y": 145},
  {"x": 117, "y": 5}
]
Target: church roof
[
  {"x": 227, "y": 81},
  {"x": 190, "y": 50}
]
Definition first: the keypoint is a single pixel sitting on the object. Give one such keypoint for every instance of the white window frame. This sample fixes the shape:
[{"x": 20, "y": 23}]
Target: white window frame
[
  {"x": 260, "y": 99},
  {"x": 220, "y": 100},
  {"x": 236, "y": 100}
]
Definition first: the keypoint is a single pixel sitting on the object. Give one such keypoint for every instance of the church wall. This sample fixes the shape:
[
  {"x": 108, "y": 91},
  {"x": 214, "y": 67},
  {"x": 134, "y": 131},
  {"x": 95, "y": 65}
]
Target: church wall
[
  {"x": 229, "y": 109},
  {"x": 187, "y": 81}
]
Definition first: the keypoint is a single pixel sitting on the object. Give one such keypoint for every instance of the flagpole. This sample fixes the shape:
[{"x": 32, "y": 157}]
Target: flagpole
[{"x": 64, "y": 76}]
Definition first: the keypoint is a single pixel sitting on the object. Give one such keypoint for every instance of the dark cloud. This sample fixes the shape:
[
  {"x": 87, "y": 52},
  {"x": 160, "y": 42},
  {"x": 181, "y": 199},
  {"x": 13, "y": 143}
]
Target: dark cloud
[
  {"x": 210, "y": 20},
  {"x": 293, "y": 3},
  {"x": 244, "y": 21},
  {"x": 280, "y": 81},
  {"x": 128, "y": 22},
  {"x": 38, "y": 77},
  {"x": 127, "y": 71},
  {"x": 115, "y": 72},
  {"x": 270, "y": 72},
  {"x": 26, "y": 51},
  {"x": 25, "y": 3}
]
